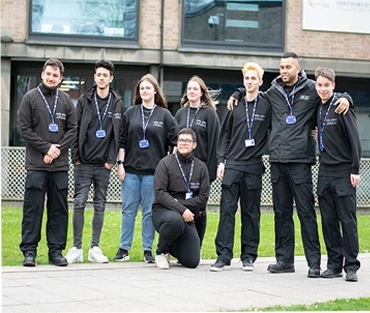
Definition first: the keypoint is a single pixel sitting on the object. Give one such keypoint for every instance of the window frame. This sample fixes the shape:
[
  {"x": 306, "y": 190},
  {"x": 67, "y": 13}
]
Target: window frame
[
  {"x": 83, "y": 39},
  {"x": 235, "y": 46}
]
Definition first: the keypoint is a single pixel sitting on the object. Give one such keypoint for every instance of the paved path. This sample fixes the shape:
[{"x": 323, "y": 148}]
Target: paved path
[{"x": 140, "y": 287}]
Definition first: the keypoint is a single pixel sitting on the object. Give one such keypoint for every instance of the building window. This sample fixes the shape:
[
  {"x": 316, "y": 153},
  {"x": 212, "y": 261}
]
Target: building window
[
  {"x": 111, "y": 20},
  {"x": 235, "y": 24}
]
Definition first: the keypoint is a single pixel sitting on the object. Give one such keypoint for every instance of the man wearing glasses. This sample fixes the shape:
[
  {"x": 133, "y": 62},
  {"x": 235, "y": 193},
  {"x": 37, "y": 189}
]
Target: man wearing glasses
[{"x": 181, "y": 188}]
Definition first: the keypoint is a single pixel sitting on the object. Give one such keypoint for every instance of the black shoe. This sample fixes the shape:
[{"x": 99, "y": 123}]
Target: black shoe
[
  {"x": 121, "y": 255},
  {"x": 351, "y": 276},
  {"x": 281, "y": 267},
  {"x": 29, "y": 259},
  {"x": 219, "y": 266},
  {"x": 58, "y": 260},
  {"x": 330, "y": 274},
  {"x": 148, "y": 257},
  {"x": 314, "y": 271},
  {"x": 247, "y": 265}
]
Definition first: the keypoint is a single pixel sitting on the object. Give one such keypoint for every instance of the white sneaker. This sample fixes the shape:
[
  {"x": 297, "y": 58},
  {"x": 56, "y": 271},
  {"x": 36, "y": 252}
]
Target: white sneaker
[
  {"x": 162, "y": 261},
  {"x": 74, "y": 255},
  {"x": 97, "y": 256}
]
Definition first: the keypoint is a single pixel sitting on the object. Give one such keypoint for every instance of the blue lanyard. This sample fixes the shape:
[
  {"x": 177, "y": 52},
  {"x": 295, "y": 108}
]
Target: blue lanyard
[
  {"x": 145, "y": 125},
  {"x": 52, "y": 114},
  {"x": 323, "y": 123},
  {"x": 187, "y": 182},
  {"x": 105, "y": 111},
  {"x": 251, "y": 120},
  {"x": 290, "y": 104},
  {"x": 190, "y": 125}
]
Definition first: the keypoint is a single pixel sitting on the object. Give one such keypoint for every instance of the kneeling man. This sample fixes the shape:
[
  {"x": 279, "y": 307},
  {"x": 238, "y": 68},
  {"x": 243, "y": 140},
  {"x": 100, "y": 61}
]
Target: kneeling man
[{"x": 181, "y": 187}]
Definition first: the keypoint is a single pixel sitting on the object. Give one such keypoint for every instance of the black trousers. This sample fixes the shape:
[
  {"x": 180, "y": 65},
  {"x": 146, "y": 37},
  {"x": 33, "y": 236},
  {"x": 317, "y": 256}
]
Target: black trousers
[
  {"x": 176, "y": 237},
  {"x": 337, "y": 200},
  {"x": 246, "y": 187},
  {"x": 201, "y": 224},
  {"x": 55, "y": 186},
  {"x": 294, "y": 181}
]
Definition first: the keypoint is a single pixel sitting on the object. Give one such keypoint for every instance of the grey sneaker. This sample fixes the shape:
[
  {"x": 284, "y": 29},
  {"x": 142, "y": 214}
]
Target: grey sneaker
[
  {"x": 247, "y": 265},
  {"x": 121, "y": 255},
  {"x": 148, "y": 257},
  {"x": 162, "y": 261},
  {"x": 219, "y": 266}
]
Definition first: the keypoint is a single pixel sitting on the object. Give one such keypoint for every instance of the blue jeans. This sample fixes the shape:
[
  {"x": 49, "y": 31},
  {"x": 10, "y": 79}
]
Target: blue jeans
[{"x": 135, "y": 189}]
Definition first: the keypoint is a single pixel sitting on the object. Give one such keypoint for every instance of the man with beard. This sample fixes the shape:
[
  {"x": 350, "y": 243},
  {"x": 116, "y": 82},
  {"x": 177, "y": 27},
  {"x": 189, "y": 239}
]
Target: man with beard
[{"x": 47, "y": 122}]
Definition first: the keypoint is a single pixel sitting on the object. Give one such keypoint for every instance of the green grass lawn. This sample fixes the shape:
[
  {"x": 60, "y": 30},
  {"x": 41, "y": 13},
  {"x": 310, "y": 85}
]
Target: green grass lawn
[{"x": 11, "y": 219}]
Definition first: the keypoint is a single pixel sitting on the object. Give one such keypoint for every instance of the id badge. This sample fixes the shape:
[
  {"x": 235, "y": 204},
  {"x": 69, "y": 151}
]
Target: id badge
[
  {"x": 321, "y": 143},
  {"x": 188, "y": 195},
  {"x": 144, "y": 143},
  {"x": 249, "y": 142},
  {"x": 290, "y": 120},
  {"x": 100, "y": 133},
  {"x": 53, "y": 128}
]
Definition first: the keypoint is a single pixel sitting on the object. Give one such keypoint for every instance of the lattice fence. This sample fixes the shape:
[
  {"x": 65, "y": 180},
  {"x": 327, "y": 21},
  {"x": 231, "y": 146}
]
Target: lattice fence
[{"x": 13, "y": 177}]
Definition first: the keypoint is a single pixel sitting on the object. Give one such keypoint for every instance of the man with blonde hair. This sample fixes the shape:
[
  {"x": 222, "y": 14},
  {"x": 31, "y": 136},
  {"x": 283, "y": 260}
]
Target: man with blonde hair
[{"x": 242, "y": 142}]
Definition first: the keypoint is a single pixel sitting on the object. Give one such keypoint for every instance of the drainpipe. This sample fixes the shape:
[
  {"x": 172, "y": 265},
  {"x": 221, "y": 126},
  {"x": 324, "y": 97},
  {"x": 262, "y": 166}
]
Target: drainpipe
[{"x": 160, "y": 68}]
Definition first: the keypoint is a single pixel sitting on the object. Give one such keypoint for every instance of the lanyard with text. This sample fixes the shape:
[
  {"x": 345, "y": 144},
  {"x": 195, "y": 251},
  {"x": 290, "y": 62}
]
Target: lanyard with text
[
  {"x": 100, "y": 133},
  {"x": 250, "y": 142},
  {"x": 290, "y": 119},
  {"x": 53, "y": 127},
  {"x": 189, "y": 125},
  {"x": 144, "y": 143},
  {"x": 189, "y": 193},
  {"x": 323, "y": 123}
]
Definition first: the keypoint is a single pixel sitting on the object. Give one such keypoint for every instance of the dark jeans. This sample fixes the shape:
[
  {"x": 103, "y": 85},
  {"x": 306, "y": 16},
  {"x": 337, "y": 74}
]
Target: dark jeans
[
  {"x": 85, "y": 175},
  {"x": 176, "y": 237},
  {"x": 337, "y": 200},
  {"x": 246, "y": 187},
  {"x": 294, "y": 181},
  {"x": 55, "y": 186}
]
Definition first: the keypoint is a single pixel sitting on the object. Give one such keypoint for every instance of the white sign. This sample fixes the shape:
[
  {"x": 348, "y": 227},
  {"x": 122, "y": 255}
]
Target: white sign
[{"x": 351, "y": 16}]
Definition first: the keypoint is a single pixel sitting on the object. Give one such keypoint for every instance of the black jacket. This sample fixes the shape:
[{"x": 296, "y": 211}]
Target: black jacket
[
  {"x": 234, "y": 131},
  {"x": 342, "y": 148},
  {"x": 170, "y": 187},
  {"x": 293, "y": 143},
  {"x": 161, "y": 133},
  {"x": 206, "y": 126},
  {"x": 85, "y": 111},
  {"x": 34, "y": 119}
]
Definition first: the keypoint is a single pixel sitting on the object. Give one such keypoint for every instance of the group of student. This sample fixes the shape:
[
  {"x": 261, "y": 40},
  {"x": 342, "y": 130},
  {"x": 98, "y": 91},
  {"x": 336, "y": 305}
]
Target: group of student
[{"x": 167, "y": 163}]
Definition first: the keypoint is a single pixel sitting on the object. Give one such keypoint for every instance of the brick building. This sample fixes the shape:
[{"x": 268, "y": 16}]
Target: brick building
[{"x": 175, "y": 39}]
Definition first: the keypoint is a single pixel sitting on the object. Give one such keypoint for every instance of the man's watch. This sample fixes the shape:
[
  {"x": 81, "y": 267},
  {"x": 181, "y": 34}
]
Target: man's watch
[{"x": 119, "y": 162}]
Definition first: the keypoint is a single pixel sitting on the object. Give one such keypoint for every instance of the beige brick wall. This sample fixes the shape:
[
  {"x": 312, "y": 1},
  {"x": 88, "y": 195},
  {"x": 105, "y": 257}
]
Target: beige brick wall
[
  {"x": 14, "y": 16},
  {"x": 322, "y": 44}
]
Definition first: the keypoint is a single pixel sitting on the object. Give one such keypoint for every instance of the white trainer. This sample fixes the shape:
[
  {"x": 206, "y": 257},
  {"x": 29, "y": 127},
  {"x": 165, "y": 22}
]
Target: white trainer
[
  {"x": 97, "y": 256},
  {"x": 74, "y": 255},
  {"x": 162, "y": 261}
]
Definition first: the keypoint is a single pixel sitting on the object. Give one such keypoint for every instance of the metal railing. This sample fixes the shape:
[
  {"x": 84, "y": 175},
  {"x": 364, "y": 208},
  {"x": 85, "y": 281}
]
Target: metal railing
[{"x": 13, "y": 176}]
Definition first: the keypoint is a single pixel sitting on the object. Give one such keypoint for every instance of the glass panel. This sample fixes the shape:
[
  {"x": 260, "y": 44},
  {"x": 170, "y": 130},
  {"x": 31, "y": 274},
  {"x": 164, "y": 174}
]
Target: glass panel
[
  {"x": 110, "y": 18},
  {"x": 242, "y": 22}
]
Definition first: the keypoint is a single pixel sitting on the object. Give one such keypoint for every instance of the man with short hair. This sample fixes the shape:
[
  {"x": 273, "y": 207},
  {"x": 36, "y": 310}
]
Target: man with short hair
[
  {"x": 181, "y": 187},
  {"x": 94, "y": 153},
  {"x": 340, "y": 151},
  {"x": 242, "y": 141},
  {"x": 47, "y": 120}
]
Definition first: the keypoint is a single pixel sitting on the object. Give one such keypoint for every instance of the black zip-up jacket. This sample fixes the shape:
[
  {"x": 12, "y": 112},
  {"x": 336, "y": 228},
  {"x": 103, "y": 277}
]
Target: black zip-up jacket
[
  {"x": 342, "y": 148},
  {"x": 293, "y": 143},
  {"x": 170, "y": 187},
  {"x": 234, "y": 131},
  {"x": 34, "y": 119},
  {"x": 161, "y": 133},
  {"x": 206, "y": 126},
  {"x": 85, "y": 112}
]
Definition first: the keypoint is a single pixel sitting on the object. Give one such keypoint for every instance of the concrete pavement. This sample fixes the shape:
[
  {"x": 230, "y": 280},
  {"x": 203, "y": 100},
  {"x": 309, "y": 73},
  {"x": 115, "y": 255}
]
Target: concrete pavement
[{"x": 140, "y": 287}]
